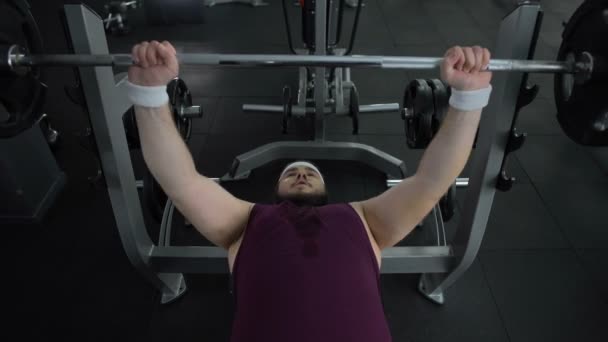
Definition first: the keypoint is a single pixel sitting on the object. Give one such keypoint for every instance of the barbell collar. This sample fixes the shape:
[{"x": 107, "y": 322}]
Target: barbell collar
[
  {"x": 23, "y": 59},
  {"x": 584, "y": 65},
  {"x": 9, "y": 63},
  {"x": 190, "y": 112}
]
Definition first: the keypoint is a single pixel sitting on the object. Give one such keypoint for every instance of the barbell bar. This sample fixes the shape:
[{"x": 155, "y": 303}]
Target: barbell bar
[{"x": 16, "y": 57}]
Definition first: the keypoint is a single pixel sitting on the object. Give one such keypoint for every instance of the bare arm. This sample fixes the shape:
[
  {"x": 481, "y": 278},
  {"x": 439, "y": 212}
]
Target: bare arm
[
  {"x": 396, "y": 212},
  {"x": 392, "y": 215},
  {"x": 447, "y": 155},
  {"x": 164, "y": 150},
  {"x": 213, "y": 211}
]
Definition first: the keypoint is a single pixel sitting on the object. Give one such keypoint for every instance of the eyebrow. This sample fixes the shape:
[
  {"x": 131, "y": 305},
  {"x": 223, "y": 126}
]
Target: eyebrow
[{"x": 307, "y": 168}]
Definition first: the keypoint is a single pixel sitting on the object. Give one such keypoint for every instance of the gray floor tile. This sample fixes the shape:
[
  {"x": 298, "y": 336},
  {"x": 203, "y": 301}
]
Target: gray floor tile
[
  {"x": 560, "y": 6},
  {"x": 539, "y": 118},
  {"x": 595, "y": 261},
  {"x": 600, "y": 155},
  {"x": 579, "y": 210},
  {"x": 544, "y": 296},
  {"x": 469, "y": 313},
  {"x": 372, "y": 29},
  {"x": 486, "y": 14},
  {"x": 519, "y": 220},
  {"x": 204, "y": 312},
  {"x": 230, "y": 82},
  {"x": 556, "y": 159}
]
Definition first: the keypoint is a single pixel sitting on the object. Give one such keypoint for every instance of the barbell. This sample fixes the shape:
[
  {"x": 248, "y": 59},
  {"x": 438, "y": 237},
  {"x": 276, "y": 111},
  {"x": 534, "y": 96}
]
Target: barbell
[
  {"x": 16, "y": 59},
  {"x": 580, "y": 81}
]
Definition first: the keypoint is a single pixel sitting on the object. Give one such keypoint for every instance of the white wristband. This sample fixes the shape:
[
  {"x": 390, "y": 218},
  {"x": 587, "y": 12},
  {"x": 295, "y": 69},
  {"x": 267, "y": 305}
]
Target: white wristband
[
  {"x": 470, "y": 100},
  {"x": 146, "y": 96}
]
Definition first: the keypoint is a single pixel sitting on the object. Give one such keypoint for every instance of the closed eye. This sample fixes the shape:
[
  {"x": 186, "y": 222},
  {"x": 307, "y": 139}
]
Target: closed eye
[{"x": 308, "y": 174}]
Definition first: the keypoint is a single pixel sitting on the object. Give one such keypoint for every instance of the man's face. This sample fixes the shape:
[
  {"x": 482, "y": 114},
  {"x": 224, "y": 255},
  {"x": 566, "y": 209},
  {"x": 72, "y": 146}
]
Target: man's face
[{"x": 303, "y": 186}]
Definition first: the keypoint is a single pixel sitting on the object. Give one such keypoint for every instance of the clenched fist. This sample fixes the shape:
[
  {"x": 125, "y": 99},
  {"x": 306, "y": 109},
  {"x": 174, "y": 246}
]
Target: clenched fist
[
  {"x": 462, "y": 68},
  {"x": 156, "y": 64}
]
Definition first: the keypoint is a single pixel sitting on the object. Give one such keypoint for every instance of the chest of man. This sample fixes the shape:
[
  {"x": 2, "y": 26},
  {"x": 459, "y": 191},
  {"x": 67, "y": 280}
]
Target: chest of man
[{"x": 235, "y": 247}]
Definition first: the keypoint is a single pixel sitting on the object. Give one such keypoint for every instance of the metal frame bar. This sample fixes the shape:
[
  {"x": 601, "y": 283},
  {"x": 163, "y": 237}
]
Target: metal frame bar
[
  {"x": 212, "y": 260},
  {"x": 316, "y": 150},
  {"x": 320, "y": 88},
  {"x": 253, "y": 3},
  {"x": 161, "y": 265}
]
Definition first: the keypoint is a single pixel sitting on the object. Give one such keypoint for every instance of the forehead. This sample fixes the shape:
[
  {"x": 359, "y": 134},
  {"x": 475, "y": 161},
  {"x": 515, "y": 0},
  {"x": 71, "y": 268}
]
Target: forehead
[{"x": 300, "y": 168}]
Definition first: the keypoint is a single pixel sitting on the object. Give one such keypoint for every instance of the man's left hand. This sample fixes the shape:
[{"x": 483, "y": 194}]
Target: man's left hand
[{"x": 462, "y": 68}]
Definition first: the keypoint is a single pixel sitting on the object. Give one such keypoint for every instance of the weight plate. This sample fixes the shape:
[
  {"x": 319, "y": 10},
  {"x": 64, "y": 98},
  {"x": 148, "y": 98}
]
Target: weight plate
[
  {"x": 582, "y": 108},
  {"x": 21, "y": 96},
  {"x": 287, "y": 108},
  {"x": 440, "y": 102},
  {"x": 447, "y": 204},
  {"x": 354, "y": 108},
  {"x": 418, "y": 103}
]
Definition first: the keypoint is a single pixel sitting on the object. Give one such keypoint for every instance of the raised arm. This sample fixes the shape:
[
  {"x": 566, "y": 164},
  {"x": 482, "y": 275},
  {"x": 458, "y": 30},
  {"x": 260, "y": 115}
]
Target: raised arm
[
  {"x": 215, "y": 213},
  {"x": 395, "y": 213}
]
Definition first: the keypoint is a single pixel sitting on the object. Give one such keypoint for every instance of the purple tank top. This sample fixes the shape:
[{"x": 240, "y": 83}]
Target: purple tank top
[{"x": 307, "y": 274}]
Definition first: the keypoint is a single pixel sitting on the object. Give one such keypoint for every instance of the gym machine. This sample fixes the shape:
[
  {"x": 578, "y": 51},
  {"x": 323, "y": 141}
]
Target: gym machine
[
  {"x": 440, "y": 262},
  {"x": 333, "y": 94},
  {"x": 116, "y": 21}
]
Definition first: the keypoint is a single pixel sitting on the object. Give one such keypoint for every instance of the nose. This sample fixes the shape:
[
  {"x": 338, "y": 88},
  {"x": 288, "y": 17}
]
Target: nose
[{"x": 301, "y": 177}]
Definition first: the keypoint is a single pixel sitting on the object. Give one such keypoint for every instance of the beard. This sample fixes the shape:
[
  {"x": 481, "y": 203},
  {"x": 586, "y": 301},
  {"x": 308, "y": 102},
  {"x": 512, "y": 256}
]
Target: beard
[{"x": 302, "y": 199}]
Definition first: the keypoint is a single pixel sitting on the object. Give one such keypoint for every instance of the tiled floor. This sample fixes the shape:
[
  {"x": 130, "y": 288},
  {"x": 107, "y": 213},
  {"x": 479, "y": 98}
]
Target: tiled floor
[{"x": 541, "y": 274}]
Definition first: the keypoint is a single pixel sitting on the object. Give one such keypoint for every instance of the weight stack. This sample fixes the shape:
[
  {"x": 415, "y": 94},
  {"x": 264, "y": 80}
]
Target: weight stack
[{"x": 30, "y": 179}]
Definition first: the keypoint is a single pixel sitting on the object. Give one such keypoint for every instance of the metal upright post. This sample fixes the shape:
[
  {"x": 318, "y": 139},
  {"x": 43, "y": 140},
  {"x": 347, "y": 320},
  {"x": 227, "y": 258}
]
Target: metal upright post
[
  {"x": 320, "y": 79},
  {"x": 513, "y": 41},
  {"x": 106, "y": 105}
]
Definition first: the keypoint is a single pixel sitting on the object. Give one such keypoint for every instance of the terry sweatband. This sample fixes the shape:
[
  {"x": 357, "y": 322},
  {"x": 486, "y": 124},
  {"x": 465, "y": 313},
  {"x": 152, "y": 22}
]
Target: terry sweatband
[
  {"x": 470, "y": 100},
  {"x": 302, "y": 163},
  {"x": 146, "y": 96}
]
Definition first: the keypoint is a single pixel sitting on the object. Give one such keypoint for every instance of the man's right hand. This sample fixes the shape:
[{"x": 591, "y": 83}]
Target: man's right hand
[{"x": 156, "y": 64}]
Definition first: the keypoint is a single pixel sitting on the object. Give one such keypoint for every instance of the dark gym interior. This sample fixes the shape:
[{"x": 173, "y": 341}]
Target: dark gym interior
[{"x": 541, "y": 273}]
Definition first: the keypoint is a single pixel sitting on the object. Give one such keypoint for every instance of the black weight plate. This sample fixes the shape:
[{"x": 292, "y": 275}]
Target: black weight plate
[
  {"x": 287, "y": 107},
  {"x": 180, "y": 97},
  {"x": 440, "y": 102},
  {"x": 354, "y": 108},
  {"x": 579, "y": 106},
  {"x": 447, "y": 204},
  {"x": 21, "y": 97},
  {"x": 130, "y": 124},
  {"x": 418, "y": 100},
  {"x": 154, "y": 197}
]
